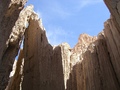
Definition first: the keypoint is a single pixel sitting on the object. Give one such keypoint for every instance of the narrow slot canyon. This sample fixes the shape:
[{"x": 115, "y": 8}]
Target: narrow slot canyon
[{"x": 92, "y": 64}]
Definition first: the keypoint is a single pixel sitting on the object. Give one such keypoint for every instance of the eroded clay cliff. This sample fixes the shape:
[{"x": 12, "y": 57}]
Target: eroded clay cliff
[
  {"x": 9, "y": 14},
  {"x": 93, "y": 64}
]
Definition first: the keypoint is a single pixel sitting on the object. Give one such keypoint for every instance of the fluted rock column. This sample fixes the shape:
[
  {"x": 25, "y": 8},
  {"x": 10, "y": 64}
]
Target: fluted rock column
[
  {"x": 112, "y": 34},
  {"x": 9, "y": 11}
]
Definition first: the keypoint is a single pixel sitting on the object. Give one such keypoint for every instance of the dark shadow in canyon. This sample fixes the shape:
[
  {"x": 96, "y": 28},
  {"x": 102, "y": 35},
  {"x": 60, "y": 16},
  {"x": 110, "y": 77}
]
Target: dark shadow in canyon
[{"x": 9, "y": 16}]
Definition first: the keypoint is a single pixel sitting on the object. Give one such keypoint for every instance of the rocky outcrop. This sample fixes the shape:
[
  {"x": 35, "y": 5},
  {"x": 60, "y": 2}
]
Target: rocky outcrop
[
  {"x": 17, "y": 77},
  {"x": 12, "y": 74},
  {"x": 9, "y": 13},
  {"x": 95, "y": 71},
  {"x": 83, "y": 42},
  {"x": 112, "y": 34},
  {"x": 93, "y": 64},
  {"x": 43, "y": 63}
]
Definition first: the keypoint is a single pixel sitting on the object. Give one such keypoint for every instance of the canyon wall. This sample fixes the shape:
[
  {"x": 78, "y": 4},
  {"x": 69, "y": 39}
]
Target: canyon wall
[
  {"x": 93, "y": 64},
  {"x": 10, "y": 36}
]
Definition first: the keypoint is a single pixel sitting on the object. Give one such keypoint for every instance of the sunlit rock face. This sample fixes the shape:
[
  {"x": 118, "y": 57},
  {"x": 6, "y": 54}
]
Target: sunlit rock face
[{"x": 92, "y": 64}]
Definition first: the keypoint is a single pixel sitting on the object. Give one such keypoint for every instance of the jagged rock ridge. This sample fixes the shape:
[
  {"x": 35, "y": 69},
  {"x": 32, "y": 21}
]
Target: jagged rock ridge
[{"x": 93, "y": 64}]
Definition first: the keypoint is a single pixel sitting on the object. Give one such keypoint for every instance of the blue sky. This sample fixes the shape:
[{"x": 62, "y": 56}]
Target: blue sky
[{"x": 65, "y": 20}]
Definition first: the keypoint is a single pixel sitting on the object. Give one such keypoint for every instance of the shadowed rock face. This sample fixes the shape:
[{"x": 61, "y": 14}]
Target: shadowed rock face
[
  {"x": 93, "y": 64},
  {"x": 9, "y": 14},
  {"x": 112, "y": 34}
]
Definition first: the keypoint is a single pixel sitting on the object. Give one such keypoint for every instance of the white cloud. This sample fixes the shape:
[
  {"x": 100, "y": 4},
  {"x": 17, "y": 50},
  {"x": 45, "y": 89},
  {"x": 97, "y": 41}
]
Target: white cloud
[
  {"x": 60, "y": 11},
  {"x": 39, "y": 13},
  {"x": 83, "y": 3},
  {"x": 56, "y": 35},
  {"x": 56, "y": 9}
]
